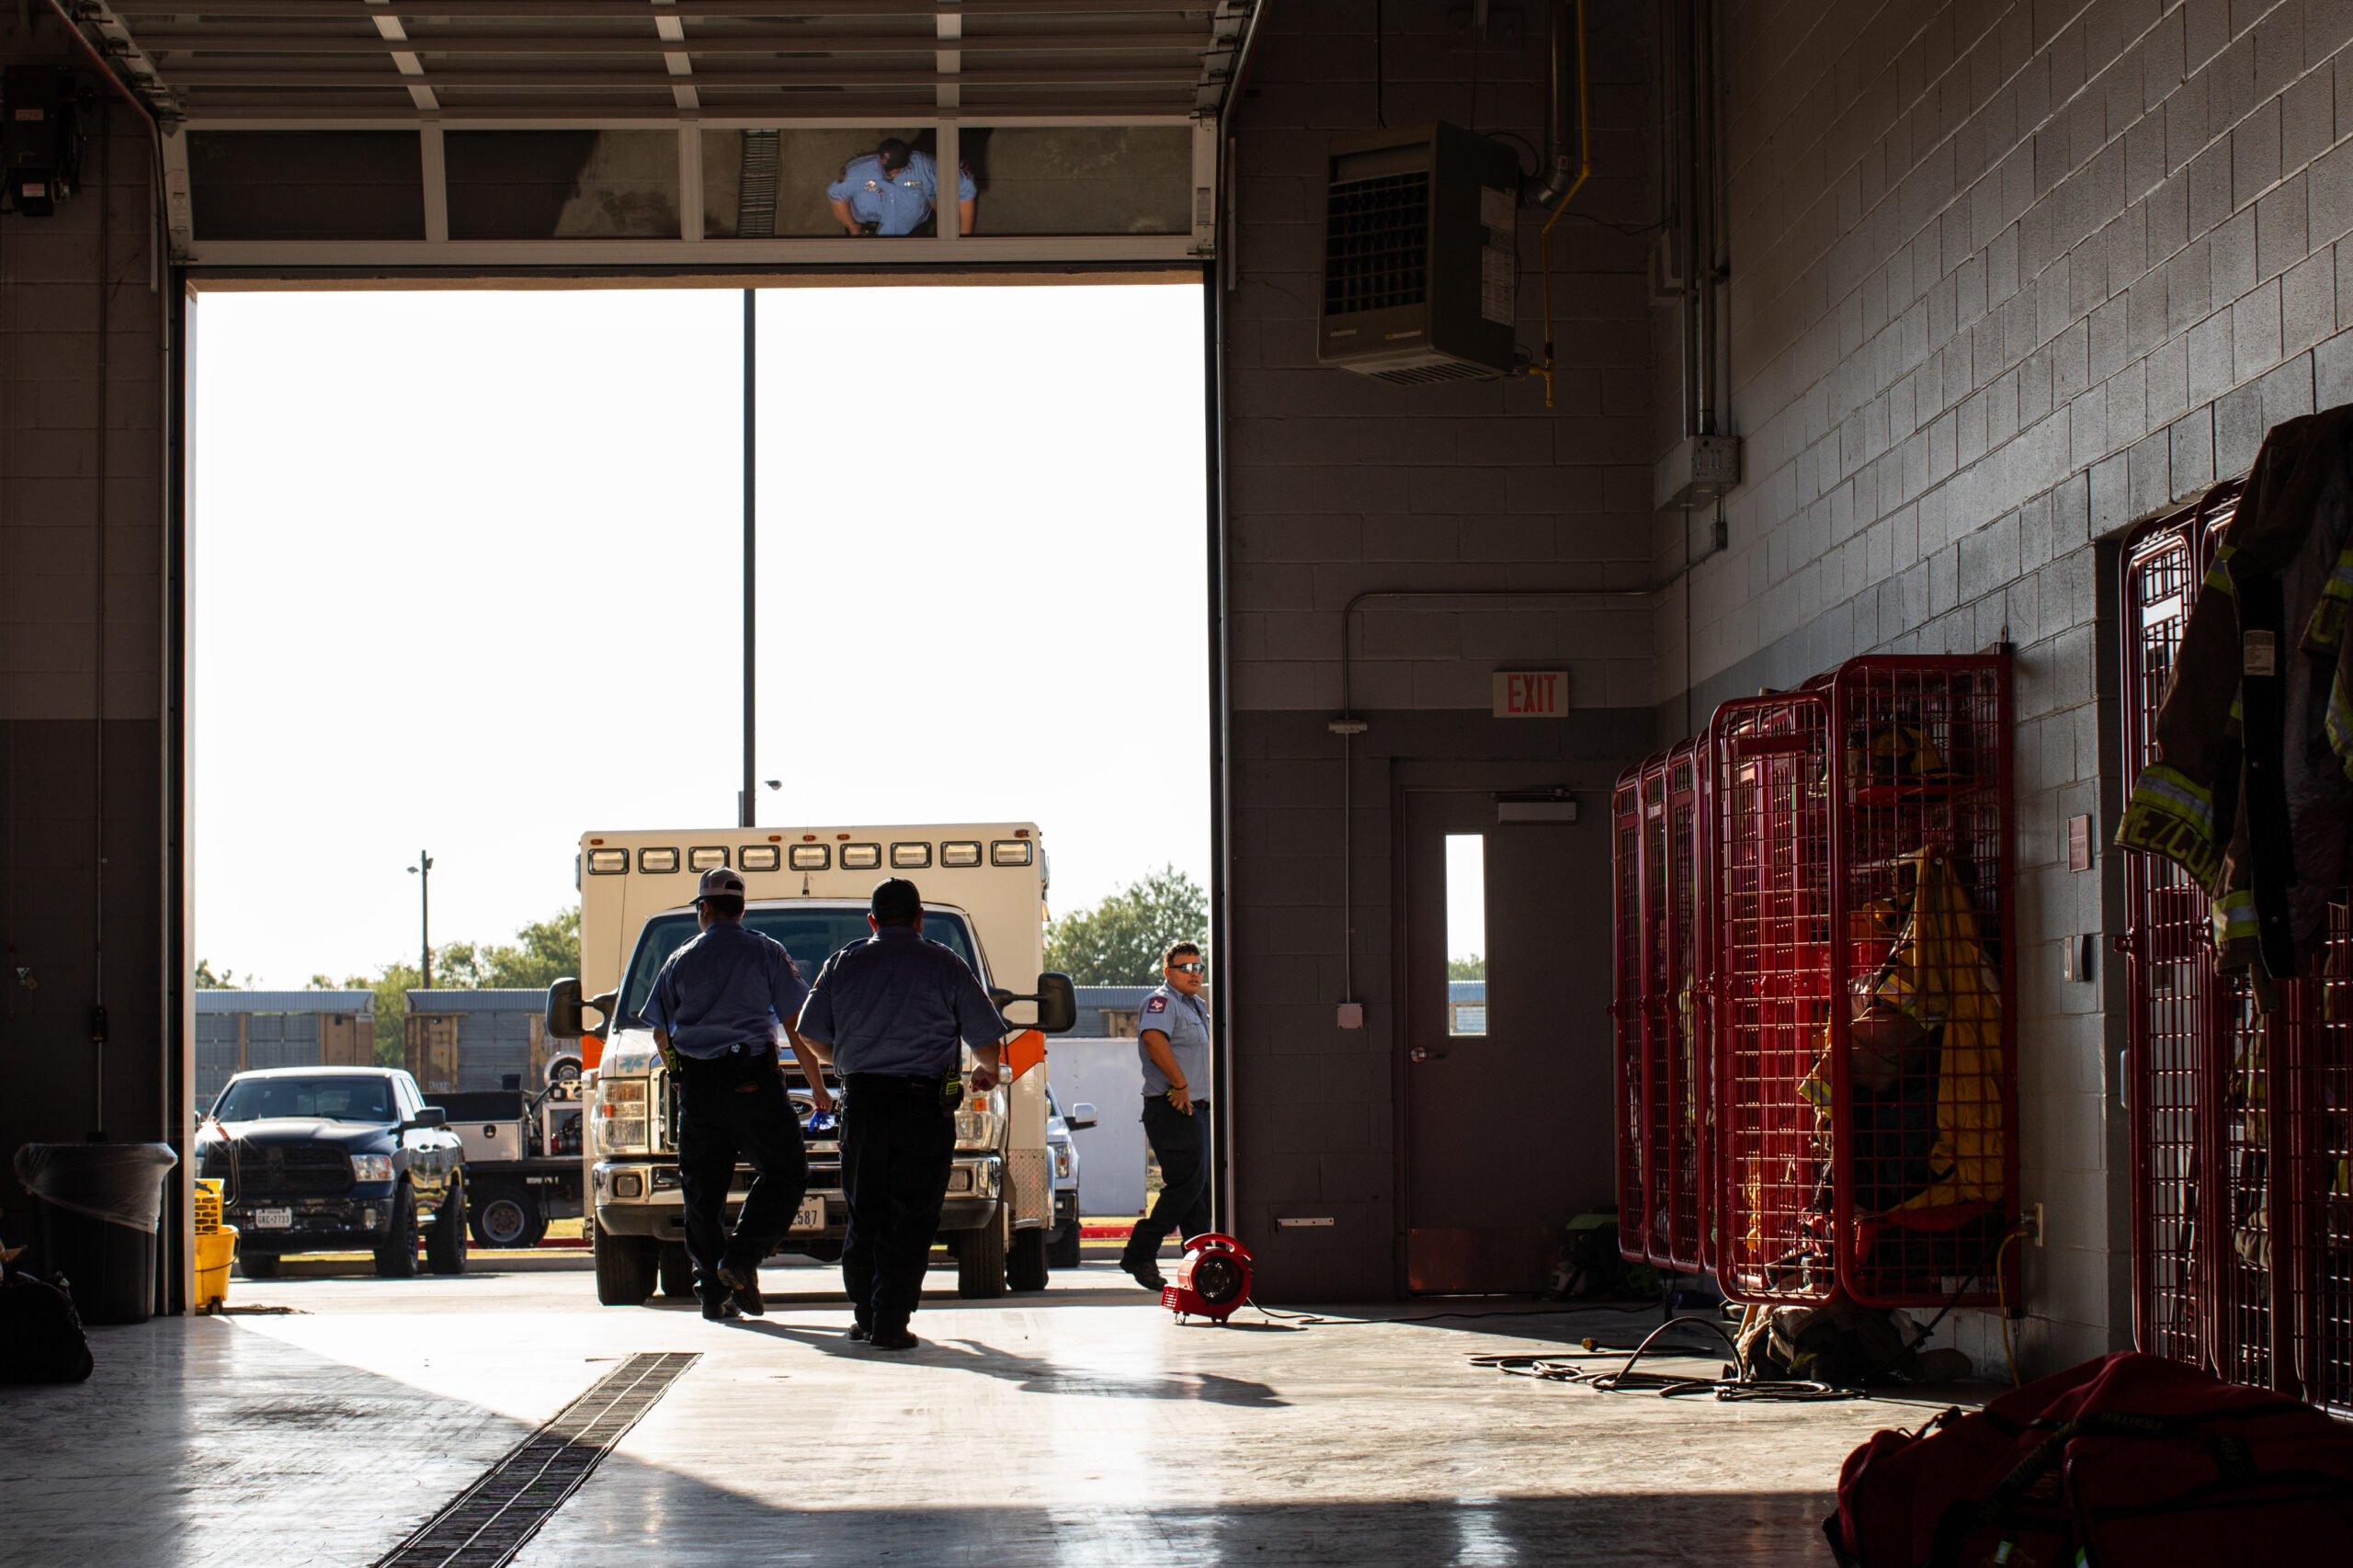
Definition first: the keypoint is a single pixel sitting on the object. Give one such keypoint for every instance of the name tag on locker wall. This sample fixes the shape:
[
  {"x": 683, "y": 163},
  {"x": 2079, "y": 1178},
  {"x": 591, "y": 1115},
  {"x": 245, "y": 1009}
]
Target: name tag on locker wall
[{"x": 1531, "y": 694}]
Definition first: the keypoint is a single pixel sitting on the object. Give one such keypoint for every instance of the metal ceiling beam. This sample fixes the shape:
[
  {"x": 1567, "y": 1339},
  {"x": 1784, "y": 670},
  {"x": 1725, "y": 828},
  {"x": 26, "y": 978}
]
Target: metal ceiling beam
[
  {"x": 282, "y": 111},
  {"x": 193, "y": 77},
  {"x": 191, "y": 40},
  {"x": 634, "y": 10}
]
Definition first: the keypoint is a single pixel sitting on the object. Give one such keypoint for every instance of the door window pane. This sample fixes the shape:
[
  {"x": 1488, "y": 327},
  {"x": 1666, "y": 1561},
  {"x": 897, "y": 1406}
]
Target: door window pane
[{"x": 1466, "y": 932}]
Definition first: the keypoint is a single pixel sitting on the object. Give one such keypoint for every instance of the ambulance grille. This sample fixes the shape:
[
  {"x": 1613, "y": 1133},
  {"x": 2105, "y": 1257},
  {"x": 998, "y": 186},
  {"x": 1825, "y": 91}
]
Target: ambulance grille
[{"x": 491, "y": 1519}]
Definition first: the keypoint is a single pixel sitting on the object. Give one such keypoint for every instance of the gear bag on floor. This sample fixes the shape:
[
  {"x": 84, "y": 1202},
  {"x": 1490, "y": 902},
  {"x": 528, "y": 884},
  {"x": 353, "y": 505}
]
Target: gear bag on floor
[
  {"x": 2125, "y": 1461},
  {"x": 40, "y": 1337}
]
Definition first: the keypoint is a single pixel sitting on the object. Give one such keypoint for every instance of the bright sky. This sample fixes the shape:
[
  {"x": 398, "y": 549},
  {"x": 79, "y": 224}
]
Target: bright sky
[
  {"x": 468, "y": 578},
  {"x": 1466, "y": 895}
]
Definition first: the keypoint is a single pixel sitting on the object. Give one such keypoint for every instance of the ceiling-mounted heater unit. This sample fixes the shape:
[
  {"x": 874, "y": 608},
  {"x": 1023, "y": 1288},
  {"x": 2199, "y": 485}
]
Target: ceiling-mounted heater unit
[{"x": 1420, "y": 255}]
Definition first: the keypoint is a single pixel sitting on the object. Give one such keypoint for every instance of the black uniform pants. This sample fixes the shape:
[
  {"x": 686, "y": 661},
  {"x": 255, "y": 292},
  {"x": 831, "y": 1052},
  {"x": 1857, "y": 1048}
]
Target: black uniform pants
[
  {"x": 1182, "y": 1145},
  {"x": 718, "y": 1123},
  {"x": 898, "y": 1143}
]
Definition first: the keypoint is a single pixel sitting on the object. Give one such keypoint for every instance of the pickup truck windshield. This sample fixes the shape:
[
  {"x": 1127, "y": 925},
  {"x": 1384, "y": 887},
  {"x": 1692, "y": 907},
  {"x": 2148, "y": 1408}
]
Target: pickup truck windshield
[
  {"x": 811, "y": 935},
  {"x": 329, "y": 1099}
]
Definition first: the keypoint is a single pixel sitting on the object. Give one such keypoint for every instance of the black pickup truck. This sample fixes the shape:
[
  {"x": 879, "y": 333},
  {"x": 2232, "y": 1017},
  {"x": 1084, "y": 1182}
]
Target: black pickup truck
[{"x": 328, "y": 1159}]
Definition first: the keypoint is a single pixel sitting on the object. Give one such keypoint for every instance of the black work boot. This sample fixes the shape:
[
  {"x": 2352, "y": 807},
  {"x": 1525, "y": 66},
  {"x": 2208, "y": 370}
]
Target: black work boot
[
  {"x": 859, "y": 1329},
  {"x": 720, "y": 1309},
  {"x": 1144, "y": 1272},
  {"x": 892, "y": 1340},
  {"x": 744, "y": 1286}
]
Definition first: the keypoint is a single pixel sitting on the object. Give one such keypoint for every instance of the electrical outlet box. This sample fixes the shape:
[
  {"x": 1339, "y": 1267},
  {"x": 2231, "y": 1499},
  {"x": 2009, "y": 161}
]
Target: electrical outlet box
[
  {"x": 1697, "y": 470},
  {"x": 2075, "y": 958}
]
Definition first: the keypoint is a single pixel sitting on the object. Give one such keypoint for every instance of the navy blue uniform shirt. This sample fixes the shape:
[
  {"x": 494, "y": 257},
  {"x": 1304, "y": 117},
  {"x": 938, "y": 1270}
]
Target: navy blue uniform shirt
[
  {"x": 896, "y": 1003},
  {"x": 730, "y": 986}
]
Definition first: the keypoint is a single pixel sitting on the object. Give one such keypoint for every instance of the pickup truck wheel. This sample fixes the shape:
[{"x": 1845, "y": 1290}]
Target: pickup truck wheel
[
  {"x": 677, "y": 1271},
  {"x": 625, "y": 1267},
  {"x": 257, "y": 1266},
  {"x": 505, "y": 1217},
  {"x": 396, "y": 1259},
  {"x": 1026, "y": 1264},
  {"x": 1062, "y": 1251},
  {"x": 445, "y": 1248},
  {"x": 979, "y": 1258}
]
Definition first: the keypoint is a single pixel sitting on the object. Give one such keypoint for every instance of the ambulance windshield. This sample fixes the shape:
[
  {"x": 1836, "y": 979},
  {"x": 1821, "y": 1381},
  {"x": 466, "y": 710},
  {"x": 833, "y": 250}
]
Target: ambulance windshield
[{"x": 811, "y": 935}]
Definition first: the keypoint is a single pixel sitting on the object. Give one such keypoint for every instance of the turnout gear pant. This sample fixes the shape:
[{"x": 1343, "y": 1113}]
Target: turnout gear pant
[
  {"x": 1182, "y": 1145},
  {"x": 898, "y": 1144},
  {"x": 718, "y": 1125}
]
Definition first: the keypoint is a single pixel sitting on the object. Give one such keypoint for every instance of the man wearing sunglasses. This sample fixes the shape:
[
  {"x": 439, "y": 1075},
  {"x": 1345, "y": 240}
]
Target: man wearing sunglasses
[{"x": 1173, "y": 1038}]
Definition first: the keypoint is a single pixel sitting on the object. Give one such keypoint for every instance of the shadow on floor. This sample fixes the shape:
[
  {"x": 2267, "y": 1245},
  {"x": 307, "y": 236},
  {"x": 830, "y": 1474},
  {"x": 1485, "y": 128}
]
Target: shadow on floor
[{"x": 1029, "y": 1373}]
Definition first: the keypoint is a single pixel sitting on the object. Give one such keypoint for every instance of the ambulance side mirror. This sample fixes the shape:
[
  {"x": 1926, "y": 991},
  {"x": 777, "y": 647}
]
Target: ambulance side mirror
[
  {"x": 561, "y": 1018},
  {"x": 1081, "y": 1117},
  {"x": 1057, "y": 1004}
]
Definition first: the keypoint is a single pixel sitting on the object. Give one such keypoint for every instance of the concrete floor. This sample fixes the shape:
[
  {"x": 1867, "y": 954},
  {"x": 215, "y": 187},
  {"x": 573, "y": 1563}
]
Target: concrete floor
[{"x": 1082, "y": 1427}]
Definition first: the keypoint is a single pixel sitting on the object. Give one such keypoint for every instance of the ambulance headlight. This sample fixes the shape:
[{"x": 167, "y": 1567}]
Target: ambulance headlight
[{"x": 620, "y": 1115}]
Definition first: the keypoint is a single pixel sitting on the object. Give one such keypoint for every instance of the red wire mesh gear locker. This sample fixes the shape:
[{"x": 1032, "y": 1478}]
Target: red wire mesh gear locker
[
  {"x": 1683, "y": 1172},
  {"x": 1626, "y": 1006},
  {"x": 1772, "y": 849},
  {"x": 1866, "y": 1102},
  {"x": 2242, "y": 1127},
  {"x": 1661, "y": 938}
]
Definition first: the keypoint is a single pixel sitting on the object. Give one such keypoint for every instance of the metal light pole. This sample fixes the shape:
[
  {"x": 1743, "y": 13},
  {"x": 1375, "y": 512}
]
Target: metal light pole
[
  {"x": 743, "y": 801},
  {"x": 423, "y": 872}
]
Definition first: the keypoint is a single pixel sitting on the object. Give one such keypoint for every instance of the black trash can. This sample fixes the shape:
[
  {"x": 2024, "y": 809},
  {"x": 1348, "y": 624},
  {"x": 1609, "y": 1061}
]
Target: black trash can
[{"x": 99, "y": 1206}]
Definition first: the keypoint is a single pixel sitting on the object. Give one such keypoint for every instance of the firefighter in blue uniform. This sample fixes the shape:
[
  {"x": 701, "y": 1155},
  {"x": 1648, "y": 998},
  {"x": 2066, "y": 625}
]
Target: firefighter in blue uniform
[
  {"x": 888, "y": 1013},
  {"x": 1173, "y": 1038},
  {"x": 891, "y": 190},
  {"x": 718, "y": 1008}
]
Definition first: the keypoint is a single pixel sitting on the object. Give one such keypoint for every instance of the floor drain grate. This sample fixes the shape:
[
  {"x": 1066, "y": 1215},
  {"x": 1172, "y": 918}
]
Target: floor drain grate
[{"x": 491, "y": 1519}]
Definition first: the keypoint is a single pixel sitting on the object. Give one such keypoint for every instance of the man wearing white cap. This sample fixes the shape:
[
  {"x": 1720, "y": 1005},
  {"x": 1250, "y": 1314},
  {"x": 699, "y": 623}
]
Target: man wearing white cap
[{"x": 718, "y": 1008}]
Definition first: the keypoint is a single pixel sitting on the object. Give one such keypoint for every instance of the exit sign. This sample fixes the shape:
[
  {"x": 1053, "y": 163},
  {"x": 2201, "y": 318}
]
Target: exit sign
[{"x": 1531, "y": 694}]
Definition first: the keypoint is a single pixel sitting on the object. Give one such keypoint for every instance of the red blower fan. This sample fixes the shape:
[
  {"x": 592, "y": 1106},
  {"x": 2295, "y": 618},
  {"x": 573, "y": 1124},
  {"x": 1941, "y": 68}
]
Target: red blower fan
[{"x": 1213, "y": 1280}]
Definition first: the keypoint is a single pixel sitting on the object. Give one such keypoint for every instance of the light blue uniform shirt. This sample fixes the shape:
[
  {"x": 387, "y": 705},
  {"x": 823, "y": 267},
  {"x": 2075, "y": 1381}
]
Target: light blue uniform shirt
[
  {"x": 899, "y": 202},
  {"x": 729, "y": 985},
  {"x": 897, "y": 1003},
  {"x": 1187, "y": 1024}
]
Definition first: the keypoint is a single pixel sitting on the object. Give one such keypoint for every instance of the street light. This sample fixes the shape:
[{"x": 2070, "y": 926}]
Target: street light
[{"x": 423, "y": 872}]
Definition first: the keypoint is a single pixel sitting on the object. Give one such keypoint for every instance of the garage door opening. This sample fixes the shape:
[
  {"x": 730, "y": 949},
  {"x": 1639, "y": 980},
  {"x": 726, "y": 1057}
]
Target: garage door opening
[{"x": 469, "y": 582}]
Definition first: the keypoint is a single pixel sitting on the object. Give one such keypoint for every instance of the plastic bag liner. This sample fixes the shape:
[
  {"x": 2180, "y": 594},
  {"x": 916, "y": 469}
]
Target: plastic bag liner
[{"x": 120, "y": 1183}]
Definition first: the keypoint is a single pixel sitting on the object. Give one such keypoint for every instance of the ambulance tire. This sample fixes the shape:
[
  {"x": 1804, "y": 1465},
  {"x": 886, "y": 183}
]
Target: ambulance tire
[
  {"x": 1062, "y": 1251},
  {"x": 626, "y": 1267},
  {"x": 980, "y": 1259},
  {"x": 1027, "y": 1264},
  {"x": 257, "y": 1264},
  {"x": 677, "y": 1271}
]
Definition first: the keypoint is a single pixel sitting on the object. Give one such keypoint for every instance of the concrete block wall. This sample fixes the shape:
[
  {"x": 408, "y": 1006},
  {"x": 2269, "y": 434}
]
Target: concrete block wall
[
  {"x": 65, "y": 453},
  {"x": 1337, "y": 484},
  {"x": 2004, "y": 278}
]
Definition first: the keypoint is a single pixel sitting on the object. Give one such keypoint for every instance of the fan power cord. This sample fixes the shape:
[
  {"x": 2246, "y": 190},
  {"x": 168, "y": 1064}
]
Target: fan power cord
[
  {"x": 1275, "y": 1315},
  {"x": 1735, "y": 1387}
]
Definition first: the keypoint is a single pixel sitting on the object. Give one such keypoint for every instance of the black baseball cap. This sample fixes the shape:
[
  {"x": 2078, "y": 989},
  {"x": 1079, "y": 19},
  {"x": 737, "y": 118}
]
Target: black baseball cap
[{"x": 895, "y": 898}]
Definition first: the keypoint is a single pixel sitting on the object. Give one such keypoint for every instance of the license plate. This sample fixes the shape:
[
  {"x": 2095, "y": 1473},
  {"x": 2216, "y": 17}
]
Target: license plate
[
  {"x": 811, "y": 1215},
  {"x": 273, "y": 1218}
]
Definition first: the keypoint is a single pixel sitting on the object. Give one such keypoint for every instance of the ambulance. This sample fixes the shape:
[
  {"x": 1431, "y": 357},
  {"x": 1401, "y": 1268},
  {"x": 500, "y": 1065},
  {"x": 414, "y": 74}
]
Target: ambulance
[{"x": 984, "y": 887}]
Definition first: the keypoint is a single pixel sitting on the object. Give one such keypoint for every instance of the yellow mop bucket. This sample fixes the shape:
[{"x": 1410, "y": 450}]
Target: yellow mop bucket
[{"x": 216, "y": 1246}]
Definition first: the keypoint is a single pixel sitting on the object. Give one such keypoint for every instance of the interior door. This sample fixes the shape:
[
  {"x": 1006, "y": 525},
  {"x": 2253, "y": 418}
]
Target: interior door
[{"x": 1506, "y": 1117}]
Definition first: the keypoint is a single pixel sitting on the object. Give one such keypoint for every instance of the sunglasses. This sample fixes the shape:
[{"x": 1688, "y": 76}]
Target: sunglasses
[{"x": 1190, "y": 968}]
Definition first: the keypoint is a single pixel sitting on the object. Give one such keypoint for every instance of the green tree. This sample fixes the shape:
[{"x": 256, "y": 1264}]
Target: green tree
[
  {"x": 542, "y": 951},
  {"x": 1472, "y": 968},
  {"x": 1120, "y": 940},
  {"x": 207, "y": 981}
]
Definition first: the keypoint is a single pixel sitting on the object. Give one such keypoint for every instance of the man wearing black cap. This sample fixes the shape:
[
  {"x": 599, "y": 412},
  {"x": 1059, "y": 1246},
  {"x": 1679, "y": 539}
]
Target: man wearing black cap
[
  {"x": 718, "y": 1008},
  {"x": 888, "y": 1013}
]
